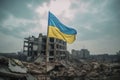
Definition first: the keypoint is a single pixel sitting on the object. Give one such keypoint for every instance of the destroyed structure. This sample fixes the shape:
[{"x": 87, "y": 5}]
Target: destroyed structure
[
  {"x": 35, "y": 47},
  {"x": 82, "y": 54},
  {"x": 85, "y": 55},
  {"x": 13, "y": 69},
  {"x": 80, "y": 65}
]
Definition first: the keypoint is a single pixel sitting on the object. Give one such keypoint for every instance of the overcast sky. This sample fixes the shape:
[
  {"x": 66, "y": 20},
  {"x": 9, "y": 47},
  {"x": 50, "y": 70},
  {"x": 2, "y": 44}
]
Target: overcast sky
[{"x": 97, "y": 22}]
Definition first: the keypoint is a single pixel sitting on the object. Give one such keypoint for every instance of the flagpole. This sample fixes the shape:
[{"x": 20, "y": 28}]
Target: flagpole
[{"x": 47, "y": 42}]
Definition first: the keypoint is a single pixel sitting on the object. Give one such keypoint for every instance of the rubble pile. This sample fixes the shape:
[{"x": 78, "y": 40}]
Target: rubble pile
[
  {"x": 87, "y": 71},
  {"x": 8, "y": 70},
  {"x": 12, "y": 69}
]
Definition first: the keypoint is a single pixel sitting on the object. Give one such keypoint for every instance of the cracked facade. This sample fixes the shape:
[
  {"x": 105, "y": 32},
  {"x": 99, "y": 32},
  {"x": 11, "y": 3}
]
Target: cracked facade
[{"x": 34, "y": 47}]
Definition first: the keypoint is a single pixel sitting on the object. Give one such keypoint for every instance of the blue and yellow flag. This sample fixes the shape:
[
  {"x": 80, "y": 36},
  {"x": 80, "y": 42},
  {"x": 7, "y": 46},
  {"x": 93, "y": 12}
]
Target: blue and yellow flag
[{"x": 59, "y": 30}]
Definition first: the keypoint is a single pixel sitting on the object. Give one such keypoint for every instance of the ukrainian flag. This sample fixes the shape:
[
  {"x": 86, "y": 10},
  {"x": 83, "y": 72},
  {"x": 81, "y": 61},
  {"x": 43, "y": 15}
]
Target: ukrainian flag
[{"x": 58, "y": 30}]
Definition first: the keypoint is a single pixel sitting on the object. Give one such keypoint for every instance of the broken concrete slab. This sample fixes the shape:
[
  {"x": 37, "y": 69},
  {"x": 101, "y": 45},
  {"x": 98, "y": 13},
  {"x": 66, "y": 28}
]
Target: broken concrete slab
[{"x": 16, "y": 66}]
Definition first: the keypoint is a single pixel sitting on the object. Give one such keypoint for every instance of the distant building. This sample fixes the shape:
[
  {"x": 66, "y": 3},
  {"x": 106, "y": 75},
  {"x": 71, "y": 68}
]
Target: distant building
[
  {"x": 85, "y": 54},
  {"x": 104, "y": 57},
  {"x": 118, "y": 56},
  {"x": 37, "y": 47},
  {"x": 75, "y": 53},
  {"x": 100, "y": 57},
  {"x": 118, "y": 53},
  {"x": 82, "y": 54}
]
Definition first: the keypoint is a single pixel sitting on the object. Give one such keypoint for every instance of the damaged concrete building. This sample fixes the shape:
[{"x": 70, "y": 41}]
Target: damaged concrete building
[
  {"x": 34, "y": 47},
  {"x": 81, "y": 54}
]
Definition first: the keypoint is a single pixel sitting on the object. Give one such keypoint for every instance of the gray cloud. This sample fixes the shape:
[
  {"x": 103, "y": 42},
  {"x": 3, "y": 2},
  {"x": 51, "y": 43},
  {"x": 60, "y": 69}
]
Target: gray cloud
[
  {"x": 95, "y": 20},
  {"x": 103, "y": 22},
  {"x": 10, "y": 43}
]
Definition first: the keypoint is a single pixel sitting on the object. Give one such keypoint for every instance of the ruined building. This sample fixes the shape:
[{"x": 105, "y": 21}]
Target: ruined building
[
  {"x": 34, "y": 47},
  {"x": 81, "y": 54}
]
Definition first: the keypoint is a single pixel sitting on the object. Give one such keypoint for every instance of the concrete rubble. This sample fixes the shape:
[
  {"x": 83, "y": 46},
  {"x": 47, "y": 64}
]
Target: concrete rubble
[{"x": 13, "y": 69}]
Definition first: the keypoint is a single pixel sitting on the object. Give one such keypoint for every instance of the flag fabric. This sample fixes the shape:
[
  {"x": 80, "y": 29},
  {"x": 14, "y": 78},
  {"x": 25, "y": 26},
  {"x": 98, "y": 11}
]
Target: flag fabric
[{"x": 59, "y": 30}]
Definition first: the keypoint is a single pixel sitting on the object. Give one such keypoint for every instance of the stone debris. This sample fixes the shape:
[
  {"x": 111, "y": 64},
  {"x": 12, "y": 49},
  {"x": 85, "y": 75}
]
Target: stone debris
[
  {"x": 15, "y": 65},
  {"x": 12, "y": 69}
]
